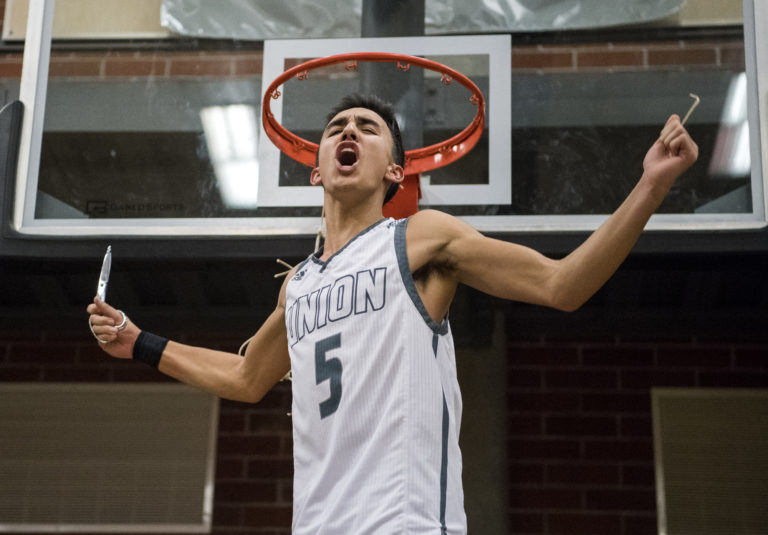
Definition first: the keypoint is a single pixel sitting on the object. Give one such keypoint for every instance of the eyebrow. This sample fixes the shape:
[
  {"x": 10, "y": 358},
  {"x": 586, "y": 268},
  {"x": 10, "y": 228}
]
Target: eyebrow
[{"x": 359, "y": 120}]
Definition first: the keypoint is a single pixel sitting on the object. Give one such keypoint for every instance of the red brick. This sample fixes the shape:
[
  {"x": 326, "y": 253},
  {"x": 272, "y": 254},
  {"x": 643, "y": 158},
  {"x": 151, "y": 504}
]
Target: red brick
[
  {"x": 581, "y": 425},
  {"x": 227, "y": 515},
  {"x": 245, "y": 492},
  {"x": 249, "y": 66},
  {"x": 230, "y": 469},
  {"x": 543, "y": 498},
  {"x": 526, "y": 523},
  {"x": 272, "y": 468},
  {"x": 732, "y": 56},
  {"x": 524, "y": 378},
  {"x": 542, "y": 60},
  {"x": 640, "y": 524},
  {"x": 10, "y": 68},
  {"x": 286, "y": 491},
  {"x": 638, "y": 475},
  {"x": 78, "y": 55},
  {"x": 733, "y": 379},
  {"x": 267, "y": 516},
  {"x": 609, "y": 58},
  {"x": 272, "y": 422},
  {"x": 581, "y": 379},
  {"x": 134, "y": 372},
  {"x": 525, "y": 425},
  {"x": 644, "y": 380},
  {"x": 228, "y": 405},
  {"x": 694, "y": 357},
  {"x": 753, "y": 357},
  {"x": 134, "y": 67},
  {"x": 75, "y": 375},
  {"x": 201, "y": 67},
  {"x": 130, "y": 54},
  {"x": 231, "y": 422},
  {"x": 682, "y": 56},
  {"x": 544, "y": 401},
  {"x": 617, "y": 356},
  {"x": 635, "y": 426},
  {"x": 621, "y": 499},
  {"x": 526, "y": 473},
  {"x": 217, "y": 341},
  {"x": 239, "y": 530},
  {"x": 247, "y": 445},
  {"x": 618, "y": 450},
  {"x": 286, "y": 445},
  {"x": 616, "y": 402},
  {"x": 521, "y": 449},
  {"x": 289, "y": 63},
  {"x": 93, "y": 354},
  {"x": 42, "y": 353},
  {"x": 583, "y": 474},
  {"x": 277, "y": 398},
  {"x": 19, "y": 374},
  {"x": 584, "y": 524},
  {"x": 74, "y": 68},
  {"x": 543, "y": 356}
]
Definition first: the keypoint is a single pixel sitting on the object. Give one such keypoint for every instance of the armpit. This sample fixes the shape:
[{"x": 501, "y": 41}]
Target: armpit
[{"x": 434, "y": 269}]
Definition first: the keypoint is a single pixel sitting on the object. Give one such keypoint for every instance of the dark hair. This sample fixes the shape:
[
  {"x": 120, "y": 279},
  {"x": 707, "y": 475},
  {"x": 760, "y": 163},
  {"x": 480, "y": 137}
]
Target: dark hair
[{"x": 386, "y": 111}]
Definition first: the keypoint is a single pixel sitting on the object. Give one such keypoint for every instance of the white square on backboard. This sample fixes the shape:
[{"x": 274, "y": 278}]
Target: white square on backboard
[{"x": 498, "y": 190}]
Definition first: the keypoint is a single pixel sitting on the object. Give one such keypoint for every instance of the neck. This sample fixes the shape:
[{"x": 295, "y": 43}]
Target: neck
[{"x": 342, "y": 223}]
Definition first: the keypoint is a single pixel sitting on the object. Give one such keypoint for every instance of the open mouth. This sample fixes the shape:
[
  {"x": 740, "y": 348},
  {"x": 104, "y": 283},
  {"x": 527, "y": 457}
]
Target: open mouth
[{"x": 346, "y": 155}]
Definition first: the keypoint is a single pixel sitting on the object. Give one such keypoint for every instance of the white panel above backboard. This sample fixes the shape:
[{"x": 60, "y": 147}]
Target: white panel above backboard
[{"x": 91, "y": 19}]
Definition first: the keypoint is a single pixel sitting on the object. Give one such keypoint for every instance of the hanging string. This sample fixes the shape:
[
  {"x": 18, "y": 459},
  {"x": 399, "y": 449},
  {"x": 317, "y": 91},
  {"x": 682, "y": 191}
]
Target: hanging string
[{"x": 696, "y": 101}]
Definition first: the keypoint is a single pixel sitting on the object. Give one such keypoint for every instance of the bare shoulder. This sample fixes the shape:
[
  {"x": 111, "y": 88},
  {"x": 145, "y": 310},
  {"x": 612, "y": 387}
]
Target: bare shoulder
[
  {"x": 434, "y": 224},
  {"x": 281, "y": 297},
  {"x": 430, "y": 236}
]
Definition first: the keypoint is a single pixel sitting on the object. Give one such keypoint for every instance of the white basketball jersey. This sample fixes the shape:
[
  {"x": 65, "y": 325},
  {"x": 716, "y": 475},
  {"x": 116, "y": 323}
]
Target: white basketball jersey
[{"x": 376, "y": 403}]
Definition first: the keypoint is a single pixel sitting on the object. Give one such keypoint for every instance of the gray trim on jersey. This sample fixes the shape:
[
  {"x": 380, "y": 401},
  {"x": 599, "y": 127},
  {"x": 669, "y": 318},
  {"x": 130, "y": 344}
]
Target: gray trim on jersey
[
  {"x": 443, "y": 453},
  {"x": 301, "y": 265},
  {"x": 444, "y": 469},
  {"x": 410, "y": 284},
  {"x": 324, "y": 264}
]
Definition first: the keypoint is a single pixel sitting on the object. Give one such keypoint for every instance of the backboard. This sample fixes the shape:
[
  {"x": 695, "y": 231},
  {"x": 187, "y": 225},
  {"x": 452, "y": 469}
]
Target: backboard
[
  {"x": 167, "y": 141},
  {"x": 437, "y": 109}
]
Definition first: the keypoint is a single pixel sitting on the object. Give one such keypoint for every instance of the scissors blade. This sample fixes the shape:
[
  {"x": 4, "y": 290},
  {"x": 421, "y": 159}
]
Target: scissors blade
[{"x": 106, "y": 267}]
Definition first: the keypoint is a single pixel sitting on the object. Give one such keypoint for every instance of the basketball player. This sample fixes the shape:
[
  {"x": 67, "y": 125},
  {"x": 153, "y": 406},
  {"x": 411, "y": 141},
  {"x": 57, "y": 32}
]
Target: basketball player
[{"x": 362, "y": 324}]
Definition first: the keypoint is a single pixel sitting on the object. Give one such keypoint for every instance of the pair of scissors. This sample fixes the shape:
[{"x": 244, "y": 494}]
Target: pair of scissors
[
  {"x": 101, "y": 292},
  {"x": 106, "y": 267}
]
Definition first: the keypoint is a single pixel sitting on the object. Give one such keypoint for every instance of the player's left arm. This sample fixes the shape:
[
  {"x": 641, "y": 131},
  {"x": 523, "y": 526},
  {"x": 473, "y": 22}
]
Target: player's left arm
[{"x": 519, "y": 273}]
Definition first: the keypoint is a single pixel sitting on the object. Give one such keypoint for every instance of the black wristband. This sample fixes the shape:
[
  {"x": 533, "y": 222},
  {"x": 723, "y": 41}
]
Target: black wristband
[{"x": 148, "y": 348}]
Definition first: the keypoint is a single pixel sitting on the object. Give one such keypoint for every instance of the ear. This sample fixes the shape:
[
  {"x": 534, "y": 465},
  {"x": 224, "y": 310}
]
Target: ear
[
  {"x": 314, "y": 177},
  {"x": 394, "y": 173}
]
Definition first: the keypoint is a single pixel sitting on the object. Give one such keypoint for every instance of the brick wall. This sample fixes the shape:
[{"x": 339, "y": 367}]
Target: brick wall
[
  {"x": 117, "y": 64},
  {"x": 611, "y": 57},
  {"x": 625, "y": 56},
  {"x": 579, "y": 425},
  {"x": 580, "y": 437},
  {"x": 254, "y": 466}
]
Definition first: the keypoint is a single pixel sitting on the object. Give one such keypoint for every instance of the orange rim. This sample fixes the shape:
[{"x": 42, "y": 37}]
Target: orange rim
[{"x": 416, "y": 160}]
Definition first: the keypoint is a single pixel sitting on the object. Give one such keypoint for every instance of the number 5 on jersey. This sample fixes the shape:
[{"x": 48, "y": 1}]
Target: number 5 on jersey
[{"x": 328, "y": 369}]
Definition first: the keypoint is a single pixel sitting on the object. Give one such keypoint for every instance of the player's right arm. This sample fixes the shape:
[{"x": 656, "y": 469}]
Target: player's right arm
[{"x": 225, "y": 374}]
